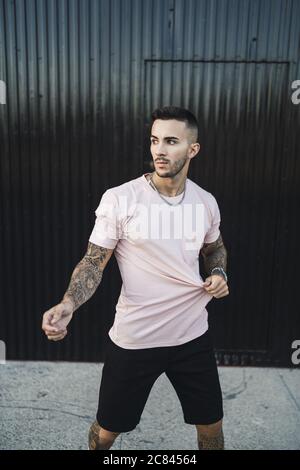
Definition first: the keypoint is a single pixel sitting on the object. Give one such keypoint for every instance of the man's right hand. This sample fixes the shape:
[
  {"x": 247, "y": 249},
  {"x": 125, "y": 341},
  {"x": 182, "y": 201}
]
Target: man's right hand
[{"x": 56, "y": 319}]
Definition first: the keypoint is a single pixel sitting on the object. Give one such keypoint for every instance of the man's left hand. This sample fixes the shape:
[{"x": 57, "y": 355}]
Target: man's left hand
[{"x": 216, "y": 286}]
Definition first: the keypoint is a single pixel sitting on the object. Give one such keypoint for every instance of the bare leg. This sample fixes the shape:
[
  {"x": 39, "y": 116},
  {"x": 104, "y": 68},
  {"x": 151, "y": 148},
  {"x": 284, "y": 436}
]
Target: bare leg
[
  {"x": 100, "y": 438},
  {"x": 210, "y": 437}
]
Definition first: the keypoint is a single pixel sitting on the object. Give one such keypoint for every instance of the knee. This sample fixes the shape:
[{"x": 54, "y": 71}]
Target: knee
[
  {"x": 209, "y": 430},
  {"x": 100, "y": 438},
  {"x": 108, "y": 436}
]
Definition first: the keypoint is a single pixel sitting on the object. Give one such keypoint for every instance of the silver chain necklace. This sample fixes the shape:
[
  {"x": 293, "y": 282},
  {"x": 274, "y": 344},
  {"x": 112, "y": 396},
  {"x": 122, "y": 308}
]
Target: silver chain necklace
[{"x": 161, "y": 196}]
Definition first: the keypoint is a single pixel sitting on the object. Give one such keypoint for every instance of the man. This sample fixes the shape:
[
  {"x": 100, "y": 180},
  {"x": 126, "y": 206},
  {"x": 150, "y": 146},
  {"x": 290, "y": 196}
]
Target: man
[{"x": 156, "y": 226}]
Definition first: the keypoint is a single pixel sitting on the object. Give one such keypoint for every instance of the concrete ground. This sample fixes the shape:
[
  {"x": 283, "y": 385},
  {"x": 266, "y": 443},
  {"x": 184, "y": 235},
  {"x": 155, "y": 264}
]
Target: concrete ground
[{"x": 50, "y": 405}]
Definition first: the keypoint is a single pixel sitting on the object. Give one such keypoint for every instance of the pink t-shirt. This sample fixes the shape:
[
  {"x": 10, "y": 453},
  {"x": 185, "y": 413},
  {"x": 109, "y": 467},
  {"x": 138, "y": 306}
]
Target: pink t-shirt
[{"x": 156, "y": 244}]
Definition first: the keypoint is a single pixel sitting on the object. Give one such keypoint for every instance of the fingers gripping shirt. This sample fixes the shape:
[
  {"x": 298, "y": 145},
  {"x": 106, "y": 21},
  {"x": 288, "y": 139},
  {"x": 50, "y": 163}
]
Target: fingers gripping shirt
[{"x": 162, "y": 300}]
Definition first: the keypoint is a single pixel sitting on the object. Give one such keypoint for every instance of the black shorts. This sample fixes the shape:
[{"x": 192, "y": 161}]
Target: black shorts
[{"x": 129, "y": 374}]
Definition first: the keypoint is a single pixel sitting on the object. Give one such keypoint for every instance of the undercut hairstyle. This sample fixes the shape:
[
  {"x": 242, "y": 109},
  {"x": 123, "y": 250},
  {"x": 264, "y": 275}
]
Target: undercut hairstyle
[{"x": 180, "y": 114}]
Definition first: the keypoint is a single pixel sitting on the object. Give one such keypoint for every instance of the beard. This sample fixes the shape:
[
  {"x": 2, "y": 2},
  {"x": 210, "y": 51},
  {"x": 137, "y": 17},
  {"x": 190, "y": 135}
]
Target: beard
[{"x": 174, "y": 169}]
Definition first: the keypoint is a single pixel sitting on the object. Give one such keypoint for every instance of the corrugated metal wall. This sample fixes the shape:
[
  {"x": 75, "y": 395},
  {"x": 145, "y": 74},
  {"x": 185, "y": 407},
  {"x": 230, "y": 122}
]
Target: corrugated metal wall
[{"x": 82, "y": 78}]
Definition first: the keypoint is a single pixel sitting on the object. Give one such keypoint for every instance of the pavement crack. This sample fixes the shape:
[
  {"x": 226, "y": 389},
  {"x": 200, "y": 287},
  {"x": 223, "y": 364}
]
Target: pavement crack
[
  {"x": 46, "y": 409},
  {"x": 289, "y": 392},
  {"x": 235, "y": 391}
]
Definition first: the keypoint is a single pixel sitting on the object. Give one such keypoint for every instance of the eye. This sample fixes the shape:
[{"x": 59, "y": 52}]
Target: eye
[{"x": 153, "y": 141}]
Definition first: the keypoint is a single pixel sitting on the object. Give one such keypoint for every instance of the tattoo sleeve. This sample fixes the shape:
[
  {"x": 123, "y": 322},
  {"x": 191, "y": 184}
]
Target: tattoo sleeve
[
  {"x": 212, "y": 443},
  {"x": 87, "y": 275},
  {"x": 214, "y": 255}
]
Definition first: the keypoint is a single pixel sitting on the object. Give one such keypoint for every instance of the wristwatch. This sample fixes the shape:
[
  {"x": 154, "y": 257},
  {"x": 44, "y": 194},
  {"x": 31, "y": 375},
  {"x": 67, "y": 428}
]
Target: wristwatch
[{"x": 219, "y": 271}]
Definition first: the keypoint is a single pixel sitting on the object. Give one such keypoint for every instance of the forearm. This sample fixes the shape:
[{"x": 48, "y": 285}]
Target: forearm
[
  {"x": 216, "y": 259},
  {"x": 214, "y": 255},
  {"x": 85, "y": 279}
]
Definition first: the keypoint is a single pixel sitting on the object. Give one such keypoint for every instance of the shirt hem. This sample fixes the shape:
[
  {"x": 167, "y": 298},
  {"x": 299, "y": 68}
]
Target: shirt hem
[{"x": 155, "y": 345}]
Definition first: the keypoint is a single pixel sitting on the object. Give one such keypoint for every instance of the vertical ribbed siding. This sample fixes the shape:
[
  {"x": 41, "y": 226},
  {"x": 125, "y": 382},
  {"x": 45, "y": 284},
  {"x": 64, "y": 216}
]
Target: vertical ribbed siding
[{"x": 82, "y": 78}]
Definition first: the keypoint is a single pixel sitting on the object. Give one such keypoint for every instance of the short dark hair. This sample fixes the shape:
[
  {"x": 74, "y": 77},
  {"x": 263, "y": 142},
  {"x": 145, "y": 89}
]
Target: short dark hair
[{"x": 180, "y": 114}]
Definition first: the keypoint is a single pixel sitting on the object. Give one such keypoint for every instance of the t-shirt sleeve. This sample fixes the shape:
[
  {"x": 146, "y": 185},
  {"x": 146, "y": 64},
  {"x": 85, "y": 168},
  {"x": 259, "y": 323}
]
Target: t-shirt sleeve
[
  {"x": 213, "y": 232},
  {"x": 106, "y": 231}
]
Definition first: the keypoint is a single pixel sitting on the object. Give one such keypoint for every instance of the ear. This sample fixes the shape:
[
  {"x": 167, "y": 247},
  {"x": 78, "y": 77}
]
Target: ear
[{"x": 194, "y": 149}]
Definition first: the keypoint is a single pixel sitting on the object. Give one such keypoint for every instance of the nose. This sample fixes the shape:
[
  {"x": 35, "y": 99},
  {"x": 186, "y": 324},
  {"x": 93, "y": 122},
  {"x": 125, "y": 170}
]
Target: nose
[{"x": 160, "y": 150}]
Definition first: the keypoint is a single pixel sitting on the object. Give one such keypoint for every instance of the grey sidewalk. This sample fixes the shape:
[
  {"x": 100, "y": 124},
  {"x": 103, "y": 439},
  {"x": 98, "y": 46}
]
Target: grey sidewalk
[{"x": 50, "y": 405}]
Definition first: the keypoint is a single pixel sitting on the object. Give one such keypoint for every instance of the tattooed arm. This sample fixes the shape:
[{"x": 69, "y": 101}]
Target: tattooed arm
[
  {"x": 215, "y": 256},
  {"x": 85, "y": 279},
  {"x": 87, "y": 275}
]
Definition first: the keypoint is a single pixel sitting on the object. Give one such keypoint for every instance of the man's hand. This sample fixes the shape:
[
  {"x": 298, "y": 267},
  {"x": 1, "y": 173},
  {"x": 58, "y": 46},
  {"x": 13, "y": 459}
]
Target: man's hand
[
  {"x": 56, "y": 319},
  {"x": 216, "y": 286},
  {"x": 85, "y": 279}
]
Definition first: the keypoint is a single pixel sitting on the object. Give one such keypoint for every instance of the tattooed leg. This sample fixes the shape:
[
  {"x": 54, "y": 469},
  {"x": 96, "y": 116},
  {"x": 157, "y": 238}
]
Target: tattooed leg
[
  {"x": 210, "y": 436},
  {"x": 211, "y": 442},
  {"x": 99, "y": 438}
]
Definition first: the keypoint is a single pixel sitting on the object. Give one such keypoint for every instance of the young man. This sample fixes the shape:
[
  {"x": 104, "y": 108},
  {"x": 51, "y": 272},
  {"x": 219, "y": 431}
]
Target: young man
[{"x": 156, "y": 226}]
